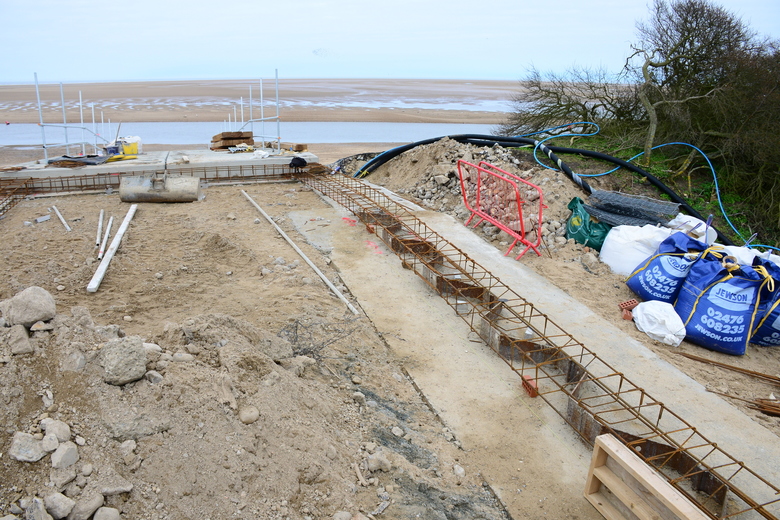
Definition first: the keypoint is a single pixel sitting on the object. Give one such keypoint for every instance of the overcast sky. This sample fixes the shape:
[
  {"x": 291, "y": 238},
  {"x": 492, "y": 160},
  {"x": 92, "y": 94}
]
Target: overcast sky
[{"x": 90, "y": 40}]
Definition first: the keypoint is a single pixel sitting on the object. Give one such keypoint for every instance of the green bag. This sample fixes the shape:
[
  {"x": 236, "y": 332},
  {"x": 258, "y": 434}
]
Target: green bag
[{"x": 583, "y": 229}]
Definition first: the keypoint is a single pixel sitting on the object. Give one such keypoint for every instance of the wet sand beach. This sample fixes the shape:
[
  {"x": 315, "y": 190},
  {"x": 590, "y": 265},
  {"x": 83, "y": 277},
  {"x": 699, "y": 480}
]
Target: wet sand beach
[{"x": 314, "y": 100}]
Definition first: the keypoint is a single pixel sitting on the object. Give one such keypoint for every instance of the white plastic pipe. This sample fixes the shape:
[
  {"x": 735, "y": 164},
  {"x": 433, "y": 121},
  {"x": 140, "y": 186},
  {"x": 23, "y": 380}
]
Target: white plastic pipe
[
  {"x": 102, "y": 250},
  {"x": 67, "y": 227},
  {"x": 103, "y": 267},
  {"x": 303, "y": 255},
  {"x": 100, "y": 228}
]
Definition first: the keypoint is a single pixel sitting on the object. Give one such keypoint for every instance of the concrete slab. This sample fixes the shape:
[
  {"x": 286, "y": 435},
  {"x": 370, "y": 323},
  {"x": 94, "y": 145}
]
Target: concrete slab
[
  {"x": 520, "y": 446},
  {"x": 154, "y": 161},
  {"x": 716, "y": 419}
]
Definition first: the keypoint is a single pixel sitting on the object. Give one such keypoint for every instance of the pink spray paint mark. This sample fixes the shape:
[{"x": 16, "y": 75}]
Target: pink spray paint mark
[{"x": 373, "y": 245}]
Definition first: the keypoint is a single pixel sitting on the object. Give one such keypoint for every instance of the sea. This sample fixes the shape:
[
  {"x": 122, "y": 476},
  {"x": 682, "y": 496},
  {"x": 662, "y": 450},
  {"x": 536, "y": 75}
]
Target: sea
[{"x": 200, "y": 133}]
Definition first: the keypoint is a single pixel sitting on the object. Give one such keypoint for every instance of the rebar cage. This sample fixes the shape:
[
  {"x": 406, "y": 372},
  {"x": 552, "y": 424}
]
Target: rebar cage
[{"x": 589, "y": 394}]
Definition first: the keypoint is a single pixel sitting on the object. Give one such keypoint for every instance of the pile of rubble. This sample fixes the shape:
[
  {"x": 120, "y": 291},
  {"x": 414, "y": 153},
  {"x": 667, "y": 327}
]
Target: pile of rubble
[
  {"x": 214, "y": 419},
  {"x": 428, "y": 175}
]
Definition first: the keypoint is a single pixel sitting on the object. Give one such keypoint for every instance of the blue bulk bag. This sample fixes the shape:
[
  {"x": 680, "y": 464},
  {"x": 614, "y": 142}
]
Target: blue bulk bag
[
  {"x": 720, "y": 301},
  {"x": 660, "y": 277},
  {"x": 767, "y": 332}
]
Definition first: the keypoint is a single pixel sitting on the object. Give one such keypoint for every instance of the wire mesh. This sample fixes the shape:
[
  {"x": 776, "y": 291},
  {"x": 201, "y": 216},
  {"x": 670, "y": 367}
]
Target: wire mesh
[
  {"x": 624, "y": 208},
  {"x": 213, "y": 175},
  {"x": 12, "y": 191}
]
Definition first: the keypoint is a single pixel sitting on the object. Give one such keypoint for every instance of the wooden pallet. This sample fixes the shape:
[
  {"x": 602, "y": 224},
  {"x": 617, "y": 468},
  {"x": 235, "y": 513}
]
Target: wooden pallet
[{"x": 621, "y": 486}]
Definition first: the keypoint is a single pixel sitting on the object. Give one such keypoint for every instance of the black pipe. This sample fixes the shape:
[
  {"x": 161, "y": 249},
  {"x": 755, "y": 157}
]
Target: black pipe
[
  {"x": 385, "y": 156},
  {"x": 509, "y": 142},
  {"x": 655, "y": 181}
]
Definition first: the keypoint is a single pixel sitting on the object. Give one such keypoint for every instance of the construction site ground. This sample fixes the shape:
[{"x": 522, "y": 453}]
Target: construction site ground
[{"x": 450, "y": 419}]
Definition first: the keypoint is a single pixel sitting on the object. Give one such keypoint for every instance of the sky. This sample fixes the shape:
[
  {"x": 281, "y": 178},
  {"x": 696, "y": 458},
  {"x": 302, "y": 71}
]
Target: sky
[{"x": 145, "y": 40}]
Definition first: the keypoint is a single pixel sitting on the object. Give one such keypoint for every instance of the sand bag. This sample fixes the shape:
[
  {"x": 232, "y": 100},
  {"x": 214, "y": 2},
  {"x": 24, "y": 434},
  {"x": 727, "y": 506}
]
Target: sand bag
[
  {"x": 660, "y": 322},
  {"x": 582, "y": 229},
  {"x": 767, "y": 332},
  {"x": 661, "y": 276},
  {"x": 627, "y": 246},
  {"x": 719, "y": 303}
]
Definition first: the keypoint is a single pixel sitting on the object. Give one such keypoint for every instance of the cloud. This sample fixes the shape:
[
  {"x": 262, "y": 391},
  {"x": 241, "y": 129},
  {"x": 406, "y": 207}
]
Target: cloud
[{"x": 90, "y": 40}]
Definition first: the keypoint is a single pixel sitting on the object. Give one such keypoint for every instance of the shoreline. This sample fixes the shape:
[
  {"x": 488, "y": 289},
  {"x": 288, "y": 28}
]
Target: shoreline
[
  {"x": 215, "y": 101},
  {"x": 300, "y": 100},
  {"x": 211, "y": 114}
]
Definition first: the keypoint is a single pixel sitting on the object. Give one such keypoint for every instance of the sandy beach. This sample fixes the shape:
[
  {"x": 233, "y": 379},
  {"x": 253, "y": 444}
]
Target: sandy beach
[
  {"x": 351, "y": 100},
  {"x": 315, "y": 100}
]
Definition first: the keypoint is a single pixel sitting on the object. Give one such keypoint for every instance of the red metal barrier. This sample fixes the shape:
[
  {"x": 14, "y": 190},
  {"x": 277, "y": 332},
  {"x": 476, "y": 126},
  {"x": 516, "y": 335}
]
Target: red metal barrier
[{"x": 495, "y": 196}]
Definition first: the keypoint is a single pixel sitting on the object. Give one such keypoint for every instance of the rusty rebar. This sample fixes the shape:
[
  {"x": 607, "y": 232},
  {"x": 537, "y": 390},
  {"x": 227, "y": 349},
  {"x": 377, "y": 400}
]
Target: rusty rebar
[
  {"x": 596, "y": 398},
  {"x": 766, "y": 377}
]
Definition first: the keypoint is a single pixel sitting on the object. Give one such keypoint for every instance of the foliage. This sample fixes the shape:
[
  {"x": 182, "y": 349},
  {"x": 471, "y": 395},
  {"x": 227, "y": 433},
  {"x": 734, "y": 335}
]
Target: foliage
[
  {"x": 579, "y": 95},
  {"x": 697, "y": 74}
]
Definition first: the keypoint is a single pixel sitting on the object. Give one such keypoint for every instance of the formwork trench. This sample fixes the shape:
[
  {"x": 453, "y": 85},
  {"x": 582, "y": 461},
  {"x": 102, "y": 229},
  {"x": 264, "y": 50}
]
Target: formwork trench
[
  {"x": 590, "y": 395},
  {"x": 14, "y": 190}
]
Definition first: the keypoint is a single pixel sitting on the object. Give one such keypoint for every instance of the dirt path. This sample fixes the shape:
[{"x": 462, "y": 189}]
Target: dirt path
[{"x": 535, "y": 464}]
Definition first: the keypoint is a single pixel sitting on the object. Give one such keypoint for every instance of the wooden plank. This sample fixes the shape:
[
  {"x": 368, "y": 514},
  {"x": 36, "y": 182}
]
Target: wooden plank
[
  {"x": 639, "y": 488},
  {"x": 227, "y": 143},
  {"x": 599, "y": 459},
  {"x": 232, "y": 135},
  {"x": 622, "y": 490},
  {"x": 605, "y": 507},
  {"x": 634, "y": 484}
]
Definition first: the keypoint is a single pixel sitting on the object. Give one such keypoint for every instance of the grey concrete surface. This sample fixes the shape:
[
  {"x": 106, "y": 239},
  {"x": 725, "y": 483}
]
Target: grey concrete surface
[
  {"x": 157, "y": 161},
  {"x": 716, "y": 419}
]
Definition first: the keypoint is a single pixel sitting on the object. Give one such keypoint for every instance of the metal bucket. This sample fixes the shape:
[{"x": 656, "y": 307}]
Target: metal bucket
[{"x": 153, "y": 188}]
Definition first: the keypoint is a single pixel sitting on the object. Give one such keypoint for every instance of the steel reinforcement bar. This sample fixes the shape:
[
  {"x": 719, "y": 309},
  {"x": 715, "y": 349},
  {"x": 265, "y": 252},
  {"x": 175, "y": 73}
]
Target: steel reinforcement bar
[
  {"x": 11, "y": 192},
  {"x": 588, "y": 393},
  {"x": 16, "y": 189}
]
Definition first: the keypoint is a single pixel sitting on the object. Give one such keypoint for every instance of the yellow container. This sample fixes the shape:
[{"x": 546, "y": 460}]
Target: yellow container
[{"x": 130, "y": 148}]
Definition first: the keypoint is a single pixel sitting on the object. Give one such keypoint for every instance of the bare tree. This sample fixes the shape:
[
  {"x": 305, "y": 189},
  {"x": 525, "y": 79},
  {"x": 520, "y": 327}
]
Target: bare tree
[
  {"x": 698, "y": 75},
  {"x": 578, "y": 95},
  {"x": 646, "y": 90},
  {"x": 692, "y": 41},
  {"x": 686, "y": 50}
]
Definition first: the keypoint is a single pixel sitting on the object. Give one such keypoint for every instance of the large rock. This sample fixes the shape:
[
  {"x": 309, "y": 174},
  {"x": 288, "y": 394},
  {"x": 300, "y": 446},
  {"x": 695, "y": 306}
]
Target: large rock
[
  {"x": 19, "y": 341},
  {"x": 82, "y": 317},
  {"x": 73, "y": 362},
  {"x": 66, "y": 455},
  {"x": 112, "y": 483},
  {"x": 123, "y": 360},
  {"x": 107, "y": 513},
  {"x": 31, "y": 305},
  {"x": 123, "y": 423},
  {"x": 59, "y": 478},
  {"x": 109, "y": 332},
  {"x": 58, "y": 505},
  {"x": 58, "y": 428},
  {"x": 25, "y": 448},
  {"x": 37, "y": 511},
  {"x": 85, "y": 506}
]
